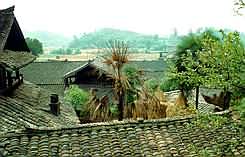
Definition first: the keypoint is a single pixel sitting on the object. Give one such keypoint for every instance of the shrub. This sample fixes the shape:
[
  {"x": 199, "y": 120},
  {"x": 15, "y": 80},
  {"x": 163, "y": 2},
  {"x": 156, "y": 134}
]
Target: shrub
[
  {"x": 151, "y": 85},
  {"x": 133, "y": 78},
  {"x": 169, "y": 85},
  {"x": 114, "y": 110},
  {"x": 240, "y": 107},
  {"x": 77, "y": 97}
]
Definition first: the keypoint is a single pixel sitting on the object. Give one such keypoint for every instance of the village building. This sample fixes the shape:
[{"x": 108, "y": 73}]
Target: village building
[
  {"x": 60, "y": 74},
  {"x": 23, "y": 104},
  {"x": 31, "y": 125},
  {"x": 49, "y": 74}
]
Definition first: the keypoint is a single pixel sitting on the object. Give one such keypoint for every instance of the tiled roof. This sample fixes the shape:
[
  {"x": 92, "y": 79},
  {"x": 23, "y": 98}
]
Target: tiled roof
[
  {"x": 162, "y": 137},
  {"x": 149, "y": 67},
  {"x": 6, "y": 21},
  {"x": 46, "y": 73},
  {"x": 29, "y": 106},
  {"x": 15, "y": 60},
  {"x": 49, "y": 73}
]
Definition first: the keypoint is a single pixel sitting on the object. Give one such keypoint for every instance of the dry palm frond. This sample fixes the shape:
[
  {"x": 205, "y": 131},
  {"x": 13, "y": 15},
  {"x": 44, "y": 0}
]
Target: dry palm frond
[
  {"x": 102, "y": 110},
  {"x": 108, "y": 61},
  {"x": 118, "y": 56},
  {"x": 181, "y": 100},
  {"x": 175, "y": 110},
  {"x": 148, "y": 106},
  {"x": 99, "y": 109},
  {"x": 160, "y": 95},
  {"x": 179, "y": 108}
]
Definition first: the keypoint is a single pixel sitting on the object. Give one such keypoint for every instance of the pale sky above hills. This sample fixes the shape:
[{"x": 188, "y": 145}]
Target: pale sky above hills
[{"x": 144, "y": 16}]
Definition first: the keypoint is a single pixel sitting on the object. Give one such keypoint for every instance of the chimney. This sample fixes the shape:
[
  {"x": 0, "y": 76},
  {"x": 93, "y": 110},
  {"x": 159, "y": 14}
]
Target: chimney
[{"x": 54, "y": 104}]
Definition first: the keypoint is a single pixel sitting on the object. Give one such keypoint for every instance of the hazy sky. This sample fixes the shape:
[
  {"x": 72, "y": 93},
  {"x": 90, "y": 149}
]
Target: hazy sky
[{"x": 145, "y": 16}]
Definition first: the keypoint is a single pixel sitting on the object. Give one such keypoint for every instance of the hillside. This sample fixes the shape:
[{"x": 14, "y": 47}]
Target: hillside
[
  {"x": 49, "y": 39},
  {"x": 98, "y": 38}
]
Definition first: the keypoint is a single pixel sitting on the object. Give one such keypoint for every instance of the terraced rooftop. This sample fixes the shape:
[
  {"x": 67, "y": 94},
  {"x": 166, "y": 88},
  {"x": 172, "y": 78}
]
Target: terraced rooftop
[{"x": 163, "y": 137}]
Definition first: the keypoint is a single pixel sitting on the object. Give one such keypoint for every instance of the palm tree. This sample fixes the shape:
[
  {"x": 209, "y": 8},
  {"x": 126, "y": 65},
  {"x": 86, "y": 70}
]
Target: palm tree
[{"x": 117, "y": 58}]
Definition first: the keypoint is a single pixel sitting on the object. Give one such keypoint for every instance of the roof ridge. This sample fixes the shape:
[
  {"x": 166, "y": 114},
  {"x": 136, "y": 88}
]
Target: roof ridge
[
  {"x": 7, "y": 10},
  {"x": 53, "y": 61},
  {"x": 115, "y": 123},
  {"x": 105, "y": 125}
]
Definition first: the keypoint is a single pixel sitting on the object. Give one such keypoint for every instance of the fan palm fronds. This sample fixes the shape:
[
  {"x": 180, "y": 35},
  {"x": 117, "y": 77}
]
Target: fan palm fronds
[{"x": 117, "y": 58}]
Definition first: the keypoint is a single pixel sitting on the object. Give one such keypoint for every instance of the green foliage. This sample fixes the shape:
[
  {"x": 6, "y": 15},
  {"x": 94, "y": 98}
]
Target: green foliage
[
  {"x": 223, "y": 62},
  {"x": 188, "y": 69},
  {"x": 219, "y": 148},
  {"x": 114, "y": 110},
  {"x": 35, "y": 46},
  {"x": 151, "y": 85},
  {"x": 50, "y": 39},
  {"x": 240, "y": 107},
  {"x": 219, "y": 63},
  {"x": 207, "y": 121},
  {"x": 169, "y": 85},
  {"x": 134, "y": 79},
  {"x": 117, "y": 58},
  {"x": 77, "y": 97},
  {"x": 239, "y": 5},
  {"x": 132, "y": 75},
  {"x": 62, "y": 51},
  {"x": 135, "y": 40}
]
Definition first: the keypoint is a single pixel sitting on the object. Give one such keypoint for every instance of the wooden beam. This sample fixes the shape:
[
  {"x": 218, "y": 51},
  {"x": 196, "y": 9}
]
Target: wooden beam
[
  {"x": 10, "y": 81},
  {"x": 3, "y": 79},
  {"x": 17, "y": 74}
]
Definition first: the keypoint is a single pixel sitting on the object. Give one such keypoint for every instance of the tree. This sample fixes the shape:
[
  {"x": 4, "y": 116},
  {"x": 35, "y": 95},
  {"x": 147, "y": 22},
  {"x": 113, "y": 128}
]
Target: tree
[
  {"x": 35, "y": 46},
  {"x": 238, "y": 6},
  {"x": 188, "y": 46},
  {"x": 224, "y": 63},
  {"x": 187, "y": 68},
  {"x": 134, "y": 78},
  {"x": 78, "y": 99},
  {"x": 220, "y": 64},
  {"x": 117, "y": 58}
]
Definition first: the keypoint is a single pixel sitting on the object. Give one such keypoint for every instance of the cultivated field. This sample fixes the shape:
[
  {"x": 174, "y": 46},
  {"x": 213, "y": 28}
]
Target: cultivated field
[{"x": 91, "y": 55}]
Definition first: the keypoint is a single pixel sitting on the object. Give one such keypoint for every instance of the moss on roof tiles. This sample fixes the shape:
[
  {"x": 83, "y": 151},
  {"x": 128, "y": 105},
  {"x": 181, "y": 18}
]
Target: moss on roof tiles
[
  {"x": 52, "y": 72},
  {"x": 15, "y": 60},
  {"x": 29, "y": 106},
  {"x": 128, "y": 138},
  {"x": 47, "y": 73}
]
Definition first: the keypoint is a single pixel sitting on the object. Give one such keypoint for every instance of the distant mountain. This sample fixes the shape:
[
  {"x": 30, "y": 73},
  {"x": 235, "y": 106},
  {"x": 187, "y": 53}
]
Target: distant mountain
[
  {"x": 98, "y": 39},
  {"x": 49, "y": 39}
]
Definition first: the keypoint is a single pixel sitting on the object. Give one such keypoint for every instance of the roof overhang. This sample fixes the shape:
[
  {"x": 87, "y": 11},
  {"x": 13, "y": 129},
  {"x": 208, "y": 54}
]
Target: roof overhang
[
  {"x": 76, "y": 70},
  {"x": 12, "y": 60},
  {"x": 93, "y": 63},
  {"x": 6, "y": 22}
]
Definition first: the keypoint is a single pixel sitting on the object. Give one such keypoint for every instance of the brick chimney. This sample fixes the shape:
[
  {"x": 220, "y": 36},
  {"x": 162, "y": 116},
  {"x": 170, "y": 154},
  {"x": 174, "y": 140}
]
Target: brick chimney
[{"x": 54, "y": 104}]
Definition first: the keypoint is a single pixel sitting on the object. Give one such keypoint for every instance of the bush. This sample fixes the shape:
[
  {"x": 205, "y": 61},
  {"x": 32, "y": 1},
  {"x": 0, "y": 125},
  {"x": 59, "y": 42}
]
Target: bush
[
  {"x": 77, "y": 97},
  {"x": 240, "y": 107},
  {"x": 132, "y": 75},
  {"x": 114, "y": 110},
  {"x": 169, "y": 85},
  {"x": 151, "y": 85}
]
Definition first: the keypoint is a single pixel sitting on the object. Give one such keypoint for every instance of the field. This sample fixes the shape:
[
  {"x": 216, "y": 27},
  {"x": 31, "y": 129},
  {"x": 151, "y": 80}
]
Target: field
[{"x": 91, "y": 55}]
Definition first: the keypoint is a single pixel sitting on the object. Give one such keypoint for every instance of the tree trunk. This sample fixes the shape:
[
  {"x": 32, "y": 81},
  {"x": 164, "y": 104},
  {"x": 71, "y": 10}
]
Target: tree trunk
[
  {"x": 121, "y": 106},
  {"x": 227, "y": 99},
  {"x": 184, "y": 96},
  {"x": 197, "y": 97}
]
